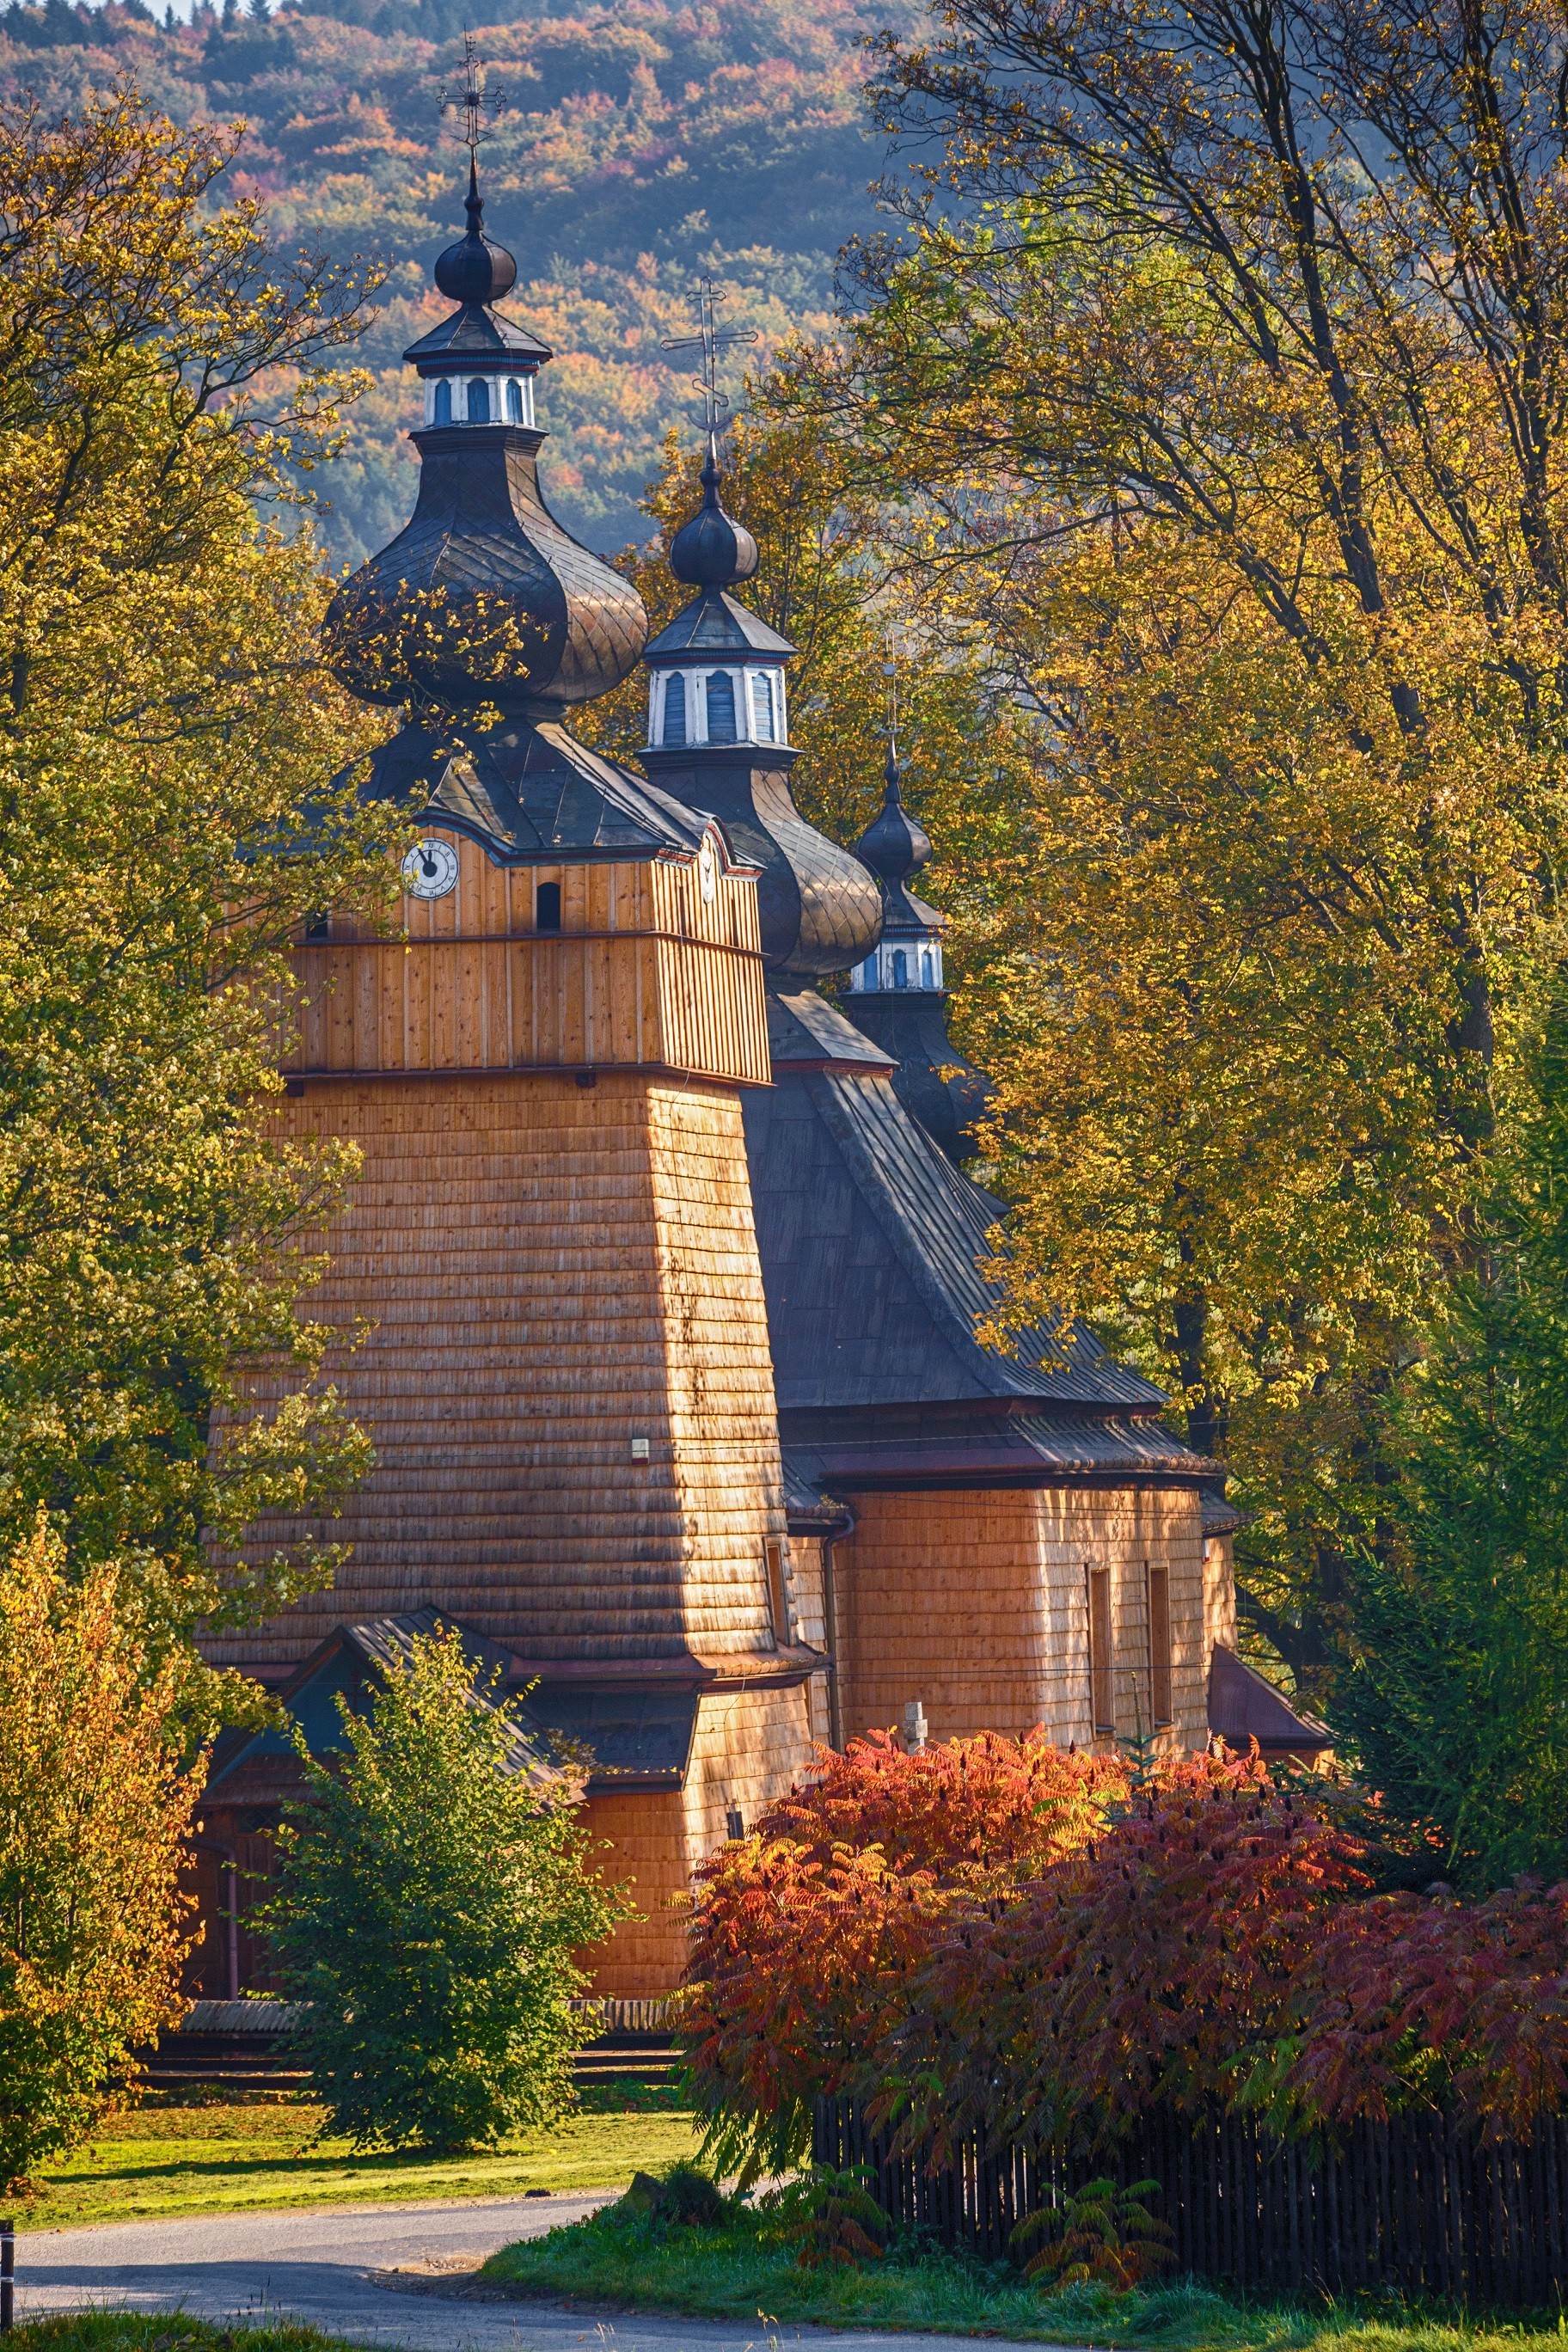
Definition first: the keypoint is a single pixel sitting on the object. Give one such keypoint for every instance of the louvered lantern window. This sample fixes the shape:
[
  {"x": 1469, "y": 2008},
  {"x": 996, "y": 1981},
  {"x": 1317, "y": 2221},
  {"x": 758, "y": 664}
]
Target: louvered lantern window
[
  {"x": 513, "y": 402},
  {"x": 547, "y": 906},
  {"x": 901, "y": 969},
  {"x": 443, "y": 403},
  {"x": 478, "y": 401},
  {"x": 762, "y": 708},
  {"x": 721, "y": 707},
  {"x": 675, "y": 710}
]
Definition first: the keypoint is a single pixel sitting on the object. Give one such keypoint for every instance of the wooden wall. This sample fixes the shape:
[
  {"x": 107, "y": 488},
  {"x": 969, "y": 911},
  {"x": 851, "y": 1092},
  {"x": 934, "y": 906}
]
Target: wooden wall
[
  {"x": 749, "y": 1747},
  {"x": 646, "y": 971},
  {"x": 976, "y": 1604},
  {"x": 546, "y": 1271}
]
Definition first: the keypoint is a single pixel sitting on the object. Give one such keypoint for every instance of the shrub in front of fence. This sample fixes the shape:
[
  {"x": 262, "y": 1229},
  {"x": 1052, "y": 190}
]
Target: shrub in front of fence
[
  {"x": 805, "y": 1934},
  {"x": 962, "y": 1956}
]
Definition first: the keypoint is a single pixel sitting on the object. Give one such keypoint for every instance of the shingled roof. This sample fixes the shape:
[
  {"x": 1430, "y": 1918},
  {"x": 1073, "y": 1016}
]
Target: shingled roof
[
  {"x": 531, "y": 792},
  {"x": 872, "y": 1243}
]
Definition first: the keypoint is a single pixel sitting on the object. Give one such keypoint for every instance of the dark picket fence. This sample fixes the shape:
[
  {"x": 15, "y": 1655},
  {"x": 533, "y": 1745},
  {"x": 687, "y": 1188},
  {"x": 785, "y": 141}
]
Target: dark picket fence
[{"x": 1421, "y": 2204}]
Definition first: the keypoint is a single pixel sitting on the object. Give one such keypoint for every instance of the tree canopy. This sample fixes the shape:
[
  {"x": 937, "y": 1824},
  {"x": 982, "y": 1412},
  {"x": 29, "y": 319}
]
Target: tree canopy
[{"x": 167, "y": 742}]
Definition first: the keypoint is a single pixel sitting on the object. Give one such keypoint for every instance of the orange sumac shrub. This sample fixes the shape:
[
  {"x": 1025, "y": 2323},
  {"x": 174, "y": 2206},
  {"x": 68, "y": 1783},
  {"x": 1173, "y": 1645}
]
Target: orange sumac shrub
[{"x": 806, "y": 1934}]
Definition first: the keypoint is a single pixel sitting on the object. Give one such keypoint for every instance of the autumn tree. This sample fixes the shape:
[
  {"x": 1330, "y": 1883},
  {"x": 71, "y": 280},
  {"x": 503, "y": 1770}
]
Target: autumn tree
[
  {"x": 1218, "y": 378},
  {"x": 167, "y": 742},
  {"x": 94, "y": 1812}
]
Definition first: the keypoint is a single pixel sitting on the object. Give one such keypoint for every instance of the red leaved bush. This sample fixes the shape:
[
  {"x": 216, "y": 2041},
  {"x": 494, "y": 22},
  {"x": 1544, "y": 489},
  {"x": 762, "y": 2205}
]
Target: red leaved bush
[
  {"x": 1221, "y": 1943},
  {"x": 806, "y": 1934},
  {"x": 1427, "y": 1995},
  {"x": 1158, "y": 1964}
]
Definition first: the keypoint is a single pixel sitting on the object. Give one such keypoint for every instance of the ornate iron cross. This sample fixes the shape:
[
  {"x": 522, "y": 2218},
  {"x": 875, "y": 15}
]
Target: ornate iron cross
[
  {"x": 473, "y": 101},
  {"x": 710, "y": 338}
]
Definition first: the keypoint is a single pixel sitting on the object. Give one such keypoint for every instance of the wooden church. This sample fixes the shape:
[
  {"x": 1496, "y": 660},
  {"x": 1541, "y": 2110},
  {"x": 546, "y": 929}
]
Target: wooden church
[{"x": 666, "y": 1269}]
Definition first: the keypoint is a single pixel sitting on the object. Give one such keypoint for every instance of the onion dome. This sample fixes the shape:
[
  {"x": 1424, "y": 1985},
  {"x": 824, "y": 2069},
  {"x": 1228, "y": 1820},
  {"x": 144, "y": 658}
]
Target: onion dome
[
  {"x": 893, "y": 845},
  {"x": 719, "y": 739},
  {"x": 895, "y": 996},
  {"x": 713, "y": 551},
  {"x": 483, "y": 599},
  {"x": 475, "y": 269}
]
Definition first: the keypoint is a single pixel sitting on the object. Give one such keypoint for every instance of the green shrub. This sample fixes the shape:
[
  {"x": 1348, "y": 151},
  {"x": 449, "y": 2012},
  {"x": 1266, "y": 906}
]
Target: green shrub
[{"x": 433, "y": 1890}]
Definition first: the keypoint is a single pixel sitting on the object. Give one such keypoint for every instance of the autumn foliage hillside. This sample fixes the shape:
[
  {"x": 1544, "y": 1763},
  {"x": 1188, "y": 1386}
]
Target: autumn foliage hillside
[
  {"x": 993, "y": 1933},
  {"x": 641, "y": 143}
]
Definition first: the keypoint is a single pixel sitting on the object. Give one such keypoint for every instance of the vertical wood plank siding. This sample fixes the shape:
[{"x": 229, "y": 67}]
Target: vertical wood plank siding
[
  {"x": 644, "y": 972},
  {"x": 978, "y": 1605},
  {"x": 1421, "y": 2204}
]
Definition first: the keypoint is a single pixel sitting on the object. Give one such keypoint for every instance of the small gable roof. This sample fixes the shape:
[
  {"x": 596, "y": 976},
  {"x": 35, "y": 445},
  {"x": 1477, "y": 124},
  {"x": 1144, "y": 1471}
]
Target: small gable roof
[
  {"x": 1243, "y": 1707},
  {"x": 353, "y": 1657}
]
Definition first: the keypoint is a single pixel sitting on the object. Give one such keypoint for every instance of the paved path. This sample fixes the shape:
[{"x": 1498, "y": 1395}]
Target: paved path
[{"x": 320, "y": 2265}]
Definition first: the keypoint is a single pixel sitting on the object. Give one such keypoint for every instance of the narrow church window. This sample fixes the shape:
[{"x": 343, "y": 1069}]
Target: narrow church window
[
  {"x": 675, "y": 710},
  {"x": 763, "y": 707},
  {"x": 1160, "y": 1643},
  {"x": 547, "y": 906},
  {"x": 721, "y": 707},
  {"x": 901, "y": 969},
  {"x": 1101, "y": 1706},
  {"x": 776, "y": 1608},
  {"x": 319, "y": 926},
  {"x": 513, "y": 402},
  {"x": 478, "y": 401},
  {"x": 443, "y": 411},
  {"x": 926, "y": 981}
]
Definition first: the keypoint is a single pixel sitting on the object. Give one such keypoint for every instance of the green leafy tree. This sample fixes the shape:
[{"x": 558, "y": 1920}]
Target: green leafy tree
[
  {"x": 433, "y": 1890},
  {"x": 1458, "y": 1702},
  {"x": 94, "y": 1812},
  {"x": 167, "y": 738}
]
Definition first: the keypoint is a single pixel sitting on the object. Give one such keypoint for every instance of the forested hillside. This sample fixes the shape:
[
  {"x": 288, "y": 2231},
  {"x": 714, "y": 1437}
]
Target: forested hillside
[{"x": 639, "y": 144}]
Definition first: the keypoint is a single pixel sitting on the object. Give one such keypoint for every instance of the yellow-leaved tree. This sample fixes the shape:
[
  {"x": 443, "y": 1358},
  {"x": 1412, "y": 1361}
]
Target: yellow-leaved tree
[
  {"x": 168, "y": 742},
  {"x": 95, "y": 1807},
  {"x": 1217, "y": 380}
]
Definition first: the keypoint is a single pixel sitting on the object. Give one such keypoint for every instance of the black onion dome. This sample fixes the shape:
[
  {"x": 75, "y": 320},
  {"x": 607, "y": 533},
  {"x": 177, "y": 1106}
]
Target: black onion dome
[
  {"x": 713, "y": 551},
  {"x": 475, "y": 269},
  {"x": 484, "y": 598},
  {"x": 893, "y": 845}
]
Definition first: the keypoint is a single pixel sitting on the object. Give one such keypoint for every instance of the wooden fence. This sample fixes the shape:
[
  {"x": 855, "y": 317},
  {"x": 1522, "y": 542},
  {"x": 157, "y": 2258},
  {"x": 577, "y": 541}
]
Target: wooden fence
[{"x": 1421, "y": 2204}]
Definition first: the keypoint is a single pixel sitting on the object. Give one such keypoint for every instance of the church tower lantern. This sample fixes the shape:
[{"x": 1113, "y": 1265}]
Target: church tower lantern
[
  {"x": 718, "y": 739},
  {"x": 896, "y": 996}
]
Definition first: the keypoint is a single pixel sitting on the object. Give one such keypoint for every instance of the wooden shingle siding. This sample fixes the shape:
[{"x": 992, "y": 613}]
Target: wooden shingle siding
[
  {"x": 976, "y": 1604},
  {"x": 545, "y": 1272},
  {"x": 643, "y": 972},
  {"x": 750, "y": 1746}
]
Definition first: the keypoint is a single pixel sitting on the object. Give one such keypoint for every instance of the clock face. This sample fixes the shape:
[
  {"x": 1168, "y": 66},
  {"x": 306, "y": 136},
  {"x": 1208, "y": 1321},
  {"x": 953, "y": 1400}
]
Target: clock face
[{"x": 430, "y": 869}]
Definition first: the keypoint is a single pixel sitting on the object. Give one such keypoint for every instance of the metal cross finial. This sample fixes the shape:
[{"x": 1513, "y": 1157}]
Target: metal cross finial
[
  {"x": 710, "y": 338},
  {"x": 473, "y": 101}
]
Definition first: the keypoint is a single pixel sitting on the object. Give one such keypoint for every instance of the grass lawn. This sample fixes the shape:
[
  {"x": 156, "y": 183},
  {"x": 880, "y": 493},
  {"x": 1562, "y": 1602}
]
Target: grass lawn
[
  {"x": 727, "y": 2273},
  {"x": 157, "y": 2160}
]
